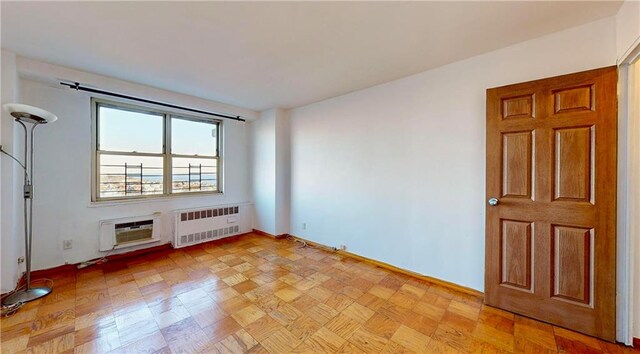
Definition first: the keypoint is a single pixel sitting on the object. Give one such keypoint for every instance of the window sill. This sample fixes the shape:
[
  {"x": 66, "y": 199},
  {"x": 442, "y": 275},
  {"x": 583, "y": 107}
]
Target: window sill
[{"x": 158, "y": 199}]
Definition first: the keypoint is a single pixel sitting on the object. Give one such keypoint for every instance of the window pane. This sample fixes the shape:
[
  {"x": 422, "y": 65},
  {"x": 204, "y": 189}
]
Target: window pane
[
  {"x": 127, "y": 131},
  {"x": 190, "y": 137},
  {"x": 194, "y": 175},
  {"x": 129, "y": 176}
]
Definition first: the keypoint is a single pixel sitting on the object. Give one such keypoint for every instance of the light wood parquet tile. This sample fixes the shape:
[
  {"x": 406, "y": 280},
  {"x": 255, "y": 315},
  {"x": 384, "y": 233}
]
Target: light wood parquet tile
[
  {"x": 322, "y": 313},
  {"x": 533, "y": 334},
  {"x": 280, "y": 341},
  {"x": 140, "y": 330},
  {"x": 15, "y": 345},
  {"x": 106, "y": 342},
  {"x": 368, "y": 342},
  {"x": 494, "y": 337},
  {"x": 458, "y": 340},
  {"x": 235, "y": 304},
  {"x": 411, "y": 339},
  {"x": 422, "y": 324},
  {"x": 382, "y": 325},
  {"x": 248, "y": 315},
  {"x": 150, "y": 343},
  {"x": 288, "y": 294},
  {"x": 93, "y": 332},
  {"x": 59, "y": 344},
  {"x": 319, "y": 293},
  {"x": 438, "y": 347},
  {"x": 253, "y": 294},
  {"x": 428, "y": 310},
  {"x": 359, "y": 313},
  {"x": 236, "y": 343},
  {"x": 393, "y": 348},
  {"x": 325, "y": 341},
  {"x": 303, "y": 327},
  {"x": 221, "y": 329},
  {"x": 52, "y": 333},
  {"x": 343, "y": 325},
  {"x": 263, "y": 328}
]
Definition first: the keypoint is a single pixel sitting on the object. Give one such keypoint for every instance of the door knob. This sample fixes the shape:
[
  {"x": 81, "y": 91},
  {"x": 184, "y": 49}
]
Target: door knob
[{"x": 494, "y": 201}]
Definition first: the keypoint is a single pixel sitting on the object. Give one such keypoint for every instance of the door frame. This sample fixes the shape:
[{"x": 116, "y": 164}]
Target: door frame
[{"x": 628, "y": 197}]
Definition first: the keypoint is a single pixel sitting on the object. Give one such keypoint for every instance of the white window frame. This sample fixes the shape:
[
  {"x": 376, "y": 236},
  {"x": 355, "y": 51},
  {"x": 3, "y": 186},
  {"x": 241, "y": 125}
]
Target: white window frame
[{"x": 166, "y": 154}]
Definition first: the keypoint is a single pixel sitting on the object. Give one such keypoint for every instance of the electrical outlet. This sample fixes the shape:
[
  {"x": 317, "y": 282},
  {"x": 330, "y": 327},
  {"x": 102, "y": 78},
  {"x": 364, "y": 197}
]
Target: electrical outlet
[
  {"x": 20, "y": 260},
  {"x": 67, "y": 244},
  {"x": 343, "y": 247},
  {"x": 304, "y": 225}
]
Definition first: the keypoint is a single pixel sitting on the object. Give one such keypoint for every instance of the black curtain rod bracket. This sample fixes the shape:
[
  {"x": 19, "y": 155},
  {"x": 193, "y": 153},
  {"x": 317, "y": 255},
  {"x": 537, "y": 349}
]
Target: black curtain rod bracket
[{"x": 76, "y": 86}]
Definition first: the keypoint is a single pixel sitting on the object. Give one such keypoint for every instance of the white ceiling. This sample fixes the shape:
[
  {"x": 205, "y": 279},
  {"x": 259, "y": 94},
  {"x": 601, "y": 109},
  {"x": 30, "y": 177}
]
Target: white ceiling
[{"x": 261, "y": 55}]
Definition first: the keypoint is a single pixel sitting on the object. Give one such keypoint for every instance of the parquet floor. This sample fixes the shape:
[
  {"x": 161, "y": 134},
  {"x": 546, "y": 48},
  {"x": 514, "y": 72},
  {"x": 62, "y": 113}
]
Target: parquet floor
[{"x": 260, "y": 295}]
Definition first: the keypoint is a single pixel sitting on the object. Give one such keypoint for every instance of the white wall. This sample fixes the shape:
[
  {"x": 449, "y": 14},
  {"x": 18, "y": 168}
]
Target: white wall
[
  {"x": 12, "y": 242},
  {"x": 263, "y": 171},
  {"x": 283, "y": 173},
  {"x": 396, "y": 172},
  {"x": 270, "y": 171},
  {"x": 62, "y": 176}
]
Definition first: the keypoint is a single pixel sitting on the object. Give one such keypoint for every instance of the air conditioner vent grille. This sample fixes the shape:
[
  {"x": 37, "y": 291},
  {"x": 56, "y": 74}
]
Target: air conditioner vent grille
[
  {"x": 133, "y": 235},
  {"x": 129, "y": 231}
]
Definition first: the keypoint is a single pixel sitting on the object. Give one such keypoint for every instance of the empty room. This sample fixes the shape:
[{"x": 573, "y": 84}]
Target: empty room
[{"x": 320, "y": 177}]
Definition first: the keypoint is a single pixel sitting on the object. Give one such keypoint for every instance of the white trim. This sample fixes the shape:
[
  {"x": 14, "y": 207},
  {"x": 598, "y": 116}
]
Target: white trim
[
  {"x": 628, "y": 195},
  {"x": 631, "y": 55}
]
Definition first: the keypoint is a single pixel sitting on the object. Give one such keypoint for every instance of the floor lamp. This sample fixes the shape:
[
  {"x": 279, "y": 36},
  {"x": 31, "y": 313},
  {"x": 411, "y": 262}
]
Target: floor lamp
[{"x": 34, "y": 116}]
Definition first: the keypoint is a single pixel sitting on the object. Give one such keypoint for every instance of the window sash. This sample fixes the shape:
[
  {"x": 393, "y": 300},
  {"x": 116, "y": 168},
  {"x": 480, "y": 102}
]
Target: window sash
[
  {"x": 97, "y": 104},
  {"x": 166, "y": 155},
  {"x": 199, "y": 120},
  {"x": 217, "y": 173},
  {"x": 129, "y": 178}
]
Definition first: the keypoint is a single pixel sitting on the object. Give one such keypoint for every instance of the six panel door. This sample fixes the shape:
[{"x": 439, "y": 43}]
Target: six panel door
[{"x": 551, "y": 165}]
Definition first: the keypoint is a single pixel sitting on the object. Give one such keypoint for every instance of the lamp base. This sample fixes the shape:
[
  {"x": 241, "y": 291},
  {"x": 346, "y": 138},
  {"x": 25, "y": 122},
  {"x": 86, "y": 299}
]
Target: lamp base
[{"x": 26, "y": 295}]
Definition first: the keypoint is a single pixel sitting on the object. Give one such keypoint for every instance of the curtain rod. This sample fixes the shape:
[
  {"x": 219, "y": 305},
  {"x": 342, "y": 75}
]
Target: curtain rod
[{"x": 76, "y": 86}]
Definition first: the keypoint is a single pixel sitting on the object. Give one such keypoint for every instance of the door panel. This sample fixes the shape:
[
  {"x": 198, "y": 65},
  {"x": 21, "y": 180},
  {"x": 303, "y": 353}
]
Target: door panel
[
  {"x": 516, "y": 251},
  {"x": 574, "y": 98},
  {"x": 573, "y": 163},
  {"x": 571, "y": 263},
  {"x": 517, "y": 159},
  {"x": 518, "y": 107},
  {"x": 551, "y": 161}
]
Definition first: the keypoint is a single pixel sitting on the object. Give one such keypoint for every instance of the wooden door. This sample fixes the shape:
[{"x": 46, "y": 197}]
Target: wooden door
[{"x": 551, "y": 165}]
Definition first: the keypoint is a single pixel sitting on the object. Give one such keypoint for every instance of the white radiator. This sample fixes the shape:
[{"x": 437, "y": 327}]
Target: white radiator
[{"x": 193, "y": 226}]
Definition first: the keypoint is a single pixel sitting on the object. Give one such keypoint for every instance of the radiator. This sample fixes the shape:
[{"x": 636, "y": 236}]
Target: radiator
[{"x": 193, "y": 226}]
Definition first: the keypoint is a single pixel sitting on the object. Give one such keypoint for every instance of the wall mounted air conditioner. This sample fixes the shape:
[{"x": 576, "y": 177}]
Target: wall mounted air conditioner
[{"x": 129, "y": 232}]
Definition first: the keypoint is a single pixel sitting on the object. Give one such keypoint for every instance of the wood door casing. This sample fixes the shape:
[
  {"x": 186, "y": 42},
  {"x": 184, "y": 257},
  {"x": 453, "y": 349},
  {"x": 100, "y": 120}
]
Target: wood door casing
[{"x": 551, "y": 162}]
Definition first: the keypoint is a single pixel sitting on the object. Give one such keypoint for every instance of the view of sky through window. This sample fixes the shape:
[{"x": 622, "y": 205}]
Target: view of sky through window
[
  {"x": 193, "y": 138},
  {"x": 129, "y": 131}
]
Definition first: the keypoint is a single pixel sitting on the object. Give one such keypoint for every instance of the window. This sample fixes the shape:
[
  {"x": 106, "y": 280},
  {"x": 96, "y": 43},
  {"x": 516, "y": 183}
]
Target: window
[
  {"x": 194, "y": 155},
  {"x": 141, "y": 152}
]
